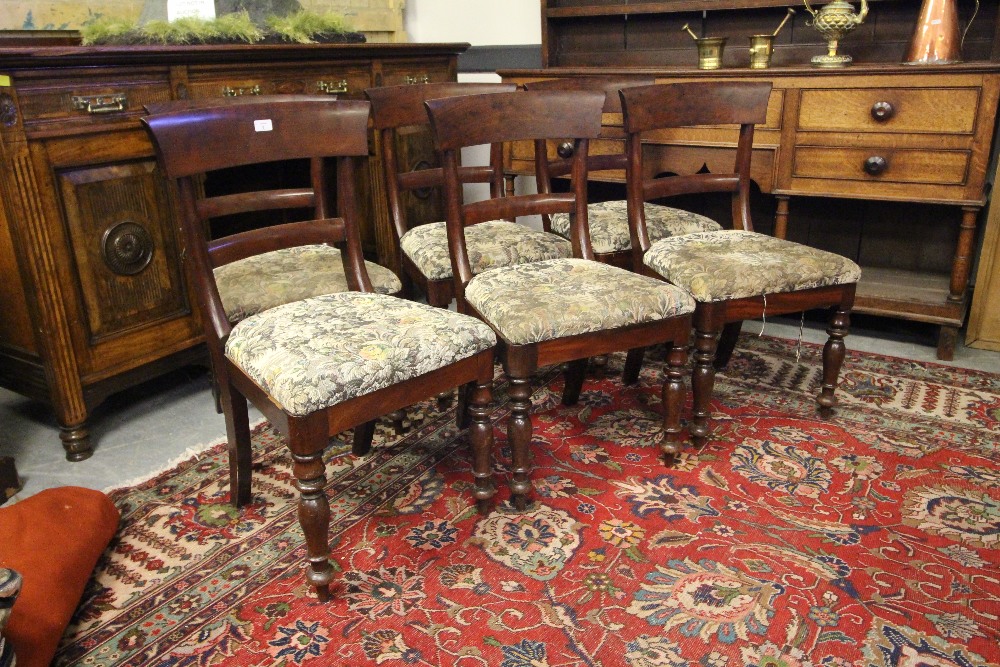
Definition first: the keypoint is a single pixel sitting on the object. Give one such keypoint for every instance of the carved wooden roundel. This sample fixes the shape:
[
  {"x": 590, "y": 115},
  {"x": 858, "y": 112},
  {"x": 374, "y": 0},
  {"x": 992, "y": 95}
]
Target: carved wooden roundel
[
  {"x": 422, "y": 193},
  {"x": 127, "y": 248},
  {"x": 8, "y": 110}
]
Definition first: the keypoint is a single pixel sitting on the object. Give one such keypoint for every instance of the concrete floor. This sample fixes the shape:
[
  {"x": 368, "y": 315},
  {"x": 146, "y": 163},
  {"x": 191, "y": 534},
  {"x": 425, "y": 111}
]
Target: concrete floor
[{"x": 145, "y": 429}]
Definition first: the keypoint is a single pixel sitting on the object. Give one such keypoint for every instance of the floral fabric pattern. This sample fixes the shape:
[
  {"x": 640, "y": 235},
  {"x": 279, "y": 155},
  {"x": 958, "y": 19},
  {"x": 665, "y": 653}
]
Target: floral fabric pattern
[
  {"x": 491, "y": 245},
  {"x": 315, "y": 353},
  {"x": 755, "y": 264},
  {"x": 608, "y": 223},
  {"x": 254, "y": 284},
  {"x": 566, "y": 297},
  {"x": 887, "y": 561}
]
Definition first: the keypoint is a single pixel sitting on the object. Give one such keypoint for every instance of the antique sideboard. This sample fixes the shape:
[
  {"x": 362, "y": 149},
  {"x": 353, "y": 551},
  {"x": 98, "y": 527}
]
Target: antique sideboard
[
  {"x": 861, "y": 135},
  {"x": 93, "y": 298}
]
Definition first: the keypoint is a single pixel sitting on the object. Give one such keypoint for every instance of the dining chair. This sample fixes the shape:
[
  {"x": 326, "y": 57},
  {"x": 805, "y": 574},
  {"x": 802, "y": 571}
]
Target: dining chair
[
  {"x": 327, "y": 363},
  {"x": 733, "y": 274},
  {"x": 423, "y": 249},
  {"x": 609, "y": 232},
  {"x": 557, "y": 310}
]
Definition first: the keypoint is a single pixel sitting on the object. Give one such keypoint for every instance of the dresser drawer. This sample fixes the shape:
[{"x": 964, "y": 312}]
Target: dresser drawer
[
  {"x": 890, "y": 110},
  {"x": 343, "y": 81},
  {"x": 416, "y": 71},
  {"x": 72, "y": 104},
  {"x": 896, "y": 165}
]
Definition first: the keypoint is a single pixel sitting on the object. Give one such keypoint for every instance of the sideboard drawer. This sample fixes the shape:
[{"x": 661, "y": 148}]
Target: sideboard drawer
[
  {"x": 72, "y": 104},
  {"x": 417, "y": 71},
  {"x": 891, "y": 110},
  {"x": 928, "y": 167},
  {"x": 343, "y": 81}
]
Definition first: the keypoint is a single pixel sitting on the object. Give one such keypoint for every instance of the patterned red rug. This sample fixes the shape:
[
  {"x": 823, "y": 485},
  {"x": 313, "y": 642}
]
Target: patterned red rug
[{"x": 872, "y": 539}]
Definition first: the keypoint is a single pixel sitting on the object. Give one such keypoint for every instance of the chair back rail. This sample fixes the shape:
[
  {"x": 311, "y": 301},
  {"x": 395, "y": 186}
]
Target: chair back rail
[
  {"x": 294, "y": 133},
  {"x": 403, "y": 105},
  {"x": 499, "y": 118},
  {"x": 649, "y": 108},
  {"x": 698, "y": 103}
]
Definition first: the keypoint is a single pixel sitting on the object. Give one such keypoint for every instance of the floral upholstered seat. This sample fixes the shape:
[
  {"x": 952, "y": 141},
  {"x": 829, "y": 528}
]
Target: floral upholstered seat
[
  {"x": 311, "y": 354},
  {"x": 257, "y": 283},
  {"x": 755, "y": 264},
  {"x": 491, "y": 245},
  {"x": 531, "y": 303},
  {"x": 609, "y": 224}
]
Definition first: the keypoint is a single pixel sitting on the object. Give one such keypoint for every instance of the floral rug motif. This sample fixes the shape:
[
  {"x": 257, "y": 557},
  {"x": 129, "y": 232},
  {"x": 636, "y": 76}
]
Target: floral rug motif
[{"x": 869, "y": 539}]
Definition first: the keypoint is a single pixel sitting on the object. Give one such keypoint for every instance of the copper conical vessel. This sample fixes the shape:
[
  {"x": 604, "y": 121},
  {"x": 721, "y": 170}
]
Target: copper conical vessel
[{"x": 935, "y": 40}]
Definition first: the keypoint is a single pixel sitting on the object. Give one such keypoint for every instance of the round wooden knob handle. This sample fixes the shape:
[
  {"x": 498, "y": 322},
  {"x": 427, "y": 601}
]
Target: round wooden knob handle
[
  {"x": 875, "y": 165},
  {"x": 565, "y": 150},
  {"x": 882, "y": 111}
]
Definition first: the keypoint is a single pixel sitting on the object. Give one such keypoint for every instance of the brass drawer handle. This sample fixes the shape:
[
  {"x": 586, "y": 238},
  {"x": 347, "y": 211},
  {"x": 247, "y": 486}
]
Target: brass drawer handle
[
  {"x": 875, "y": 165},
  {"x": 229, "y": 91},
  {"x": 423, "y": 78},
  {"x": 883, "y": 111},
  {"x": 332, "y": 87},
  {"x": 100, "y": 104}
]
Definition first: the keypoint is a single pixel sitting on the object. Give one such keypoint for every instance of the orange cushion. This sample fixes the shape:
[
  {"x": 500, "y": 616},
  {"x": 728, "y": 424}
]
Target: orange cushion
[{"x": 53, "y": 539}]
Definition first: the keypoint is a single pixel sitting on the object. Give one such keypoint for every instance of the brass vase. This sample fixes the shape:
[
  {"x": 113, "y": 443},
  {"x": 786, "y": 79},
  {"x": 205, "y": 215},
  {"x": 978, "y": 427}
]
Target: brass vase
[{"x": 833, "y": 21}]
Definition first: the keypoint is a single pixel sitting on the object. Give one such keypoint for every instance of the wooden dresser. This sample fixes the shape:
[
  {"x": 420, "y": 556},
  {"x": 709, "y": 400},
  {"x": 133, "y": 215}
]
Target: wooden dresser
[
  {"x": 868, "y": 133},
  {"x": 92, "y": 294}
]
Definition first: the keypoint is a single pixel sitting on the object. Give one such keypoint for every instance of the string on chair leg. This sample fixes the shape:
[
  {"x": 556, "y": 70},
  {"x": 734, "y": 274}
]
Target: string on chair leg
[
  {"x": 763, "y": 318},
  {"x": 798, "y": 345}
]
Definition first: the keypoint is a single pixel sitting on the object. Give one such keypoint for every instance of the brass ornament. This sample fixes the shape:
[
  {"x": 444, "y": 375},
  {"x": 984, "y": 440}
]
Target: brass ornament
[
  {"x": 833, "y": 21},
  {"x": 709, "y": 49},
  {"x": 762, "y": 46}
]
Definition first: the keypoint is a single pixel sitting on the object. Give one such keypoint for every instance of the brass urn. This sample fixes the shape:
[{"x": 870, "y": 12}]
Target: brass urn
[{"x": 833, "y": 21}]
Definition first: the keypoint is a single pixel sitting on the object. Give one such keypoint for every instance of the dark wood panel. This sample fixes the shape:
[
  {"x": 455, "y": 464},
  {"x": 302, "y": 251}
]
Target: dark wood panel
[{"x": 127, "y": 263}]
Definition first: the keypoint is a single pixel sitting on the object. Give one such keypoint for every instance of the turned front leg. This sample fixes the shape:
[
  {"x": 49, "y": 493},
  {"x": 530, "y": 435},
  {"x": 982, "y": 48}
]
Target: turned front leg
[
  {"x": 519, "y": 438},
  {"x": 702, "y": 383},
  {"x": 314, "y": 517},
  {"x": 833, "y": 358},
  {"x": 673, "y": 402}
]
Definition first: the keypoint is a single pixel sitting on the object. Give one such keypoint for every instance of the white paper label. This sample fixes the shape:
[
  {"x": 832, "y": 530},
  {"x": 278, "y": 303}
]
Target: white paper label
[
  {"x": 263, "y": 125},
  {"x": 180, "y": 9}
]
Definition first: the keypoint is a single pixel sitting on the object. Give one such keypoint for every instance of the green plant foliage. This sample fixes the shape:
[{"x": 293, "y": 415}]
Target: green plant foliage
[
  {"x": 107, "y": 30},
  {"x": 302, "y": 27},
  {"x": 237, "y": 27},
  {"x": 182, "y": 31}
]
